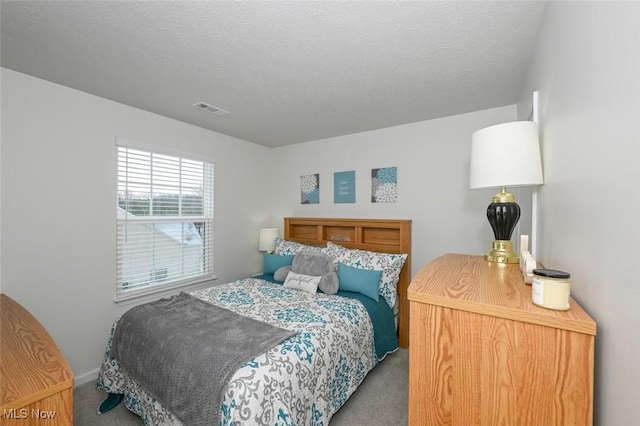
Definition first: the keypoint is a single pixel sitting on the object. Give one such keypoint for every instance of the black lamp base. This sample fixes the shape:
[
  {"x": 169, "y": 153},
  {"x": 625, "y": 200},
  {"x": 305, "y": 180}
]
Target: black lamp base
[{"x": 503, "y": 214}]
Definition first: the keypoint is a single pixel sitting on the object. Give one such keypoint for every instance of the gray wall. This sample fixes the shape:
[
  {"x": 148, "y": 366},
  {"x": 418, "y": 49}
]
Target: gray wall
[{"x": 587, "y": 68}]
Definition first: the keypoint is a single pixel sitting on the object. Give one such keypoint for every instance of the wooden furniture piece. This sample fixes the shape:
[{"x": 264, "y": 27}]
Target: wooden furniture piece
[
  {"x": 379, "y": 235},
  {"x": 36, "y": 383},
  {"x": 481, "y": 353}
]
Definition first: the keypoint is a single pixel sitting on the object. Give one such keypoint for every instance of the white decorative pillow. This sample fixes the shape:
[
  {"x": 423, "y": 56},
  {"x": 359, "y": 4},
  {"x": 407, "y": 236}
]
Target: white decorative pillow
[
  {"x": 285, "y": 247},
  {"x": 390, "y": 264},
  {"x": 302, "y": 282}
]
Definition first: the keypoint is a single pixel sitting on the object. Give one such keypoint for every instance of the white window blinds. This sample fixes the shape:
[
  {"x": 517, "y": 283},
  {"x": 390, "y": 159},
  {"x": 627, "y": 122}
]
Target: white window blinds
[{"x": 164, "y": 222}]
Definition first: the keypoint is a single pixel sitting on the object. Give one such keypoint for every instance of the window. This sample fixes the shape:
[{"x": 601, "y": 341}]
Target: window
[{"x": 164, "y": 222}]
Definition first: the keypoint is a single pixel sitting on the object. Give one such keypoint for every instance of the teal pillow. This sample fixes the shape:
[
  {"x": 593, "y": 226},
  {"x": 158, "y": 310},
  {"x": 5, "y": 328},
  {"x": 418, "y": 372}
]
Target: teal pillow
[
  {"x": 272, "y": 262},
  {"x": 357, "y": 280}
]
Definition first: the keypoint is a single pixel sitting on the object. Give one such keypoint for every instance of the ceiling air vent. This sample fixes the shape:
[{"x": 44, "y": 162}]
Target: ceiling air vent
[{"x": 210, "y": 108}]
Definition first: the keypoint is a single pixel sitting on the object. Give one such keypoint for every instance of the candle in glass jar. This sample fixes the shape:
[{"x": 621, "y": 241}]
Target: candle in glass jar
[{"x": 551, "y": 289}]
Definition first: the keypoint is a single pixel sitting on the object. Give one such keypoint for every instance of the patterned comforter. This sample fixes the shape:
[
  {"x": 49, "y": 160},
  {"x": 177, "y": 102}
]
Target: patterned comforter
[{"x": 302, "y": 381}]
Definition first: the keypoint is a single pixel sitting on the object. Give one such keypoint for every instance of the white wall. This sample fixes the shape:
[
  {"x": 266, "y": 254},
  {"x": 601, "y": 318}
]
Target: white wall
[
  {"x": 58, "y": 205},
  {"x": 58, "y": 176},
  {"x": 587, "y": 69},
  {"x": 432, "y": 158}
]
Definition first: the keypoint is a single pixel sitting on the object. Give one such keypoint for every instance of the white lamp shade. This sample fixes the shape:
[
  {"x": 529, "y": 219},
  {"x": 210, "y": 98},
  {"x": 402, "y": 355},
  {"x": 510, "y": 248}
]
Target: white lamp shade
[
  {"x": 267, "y": 241},
  {"x": 506, "y": 155}
]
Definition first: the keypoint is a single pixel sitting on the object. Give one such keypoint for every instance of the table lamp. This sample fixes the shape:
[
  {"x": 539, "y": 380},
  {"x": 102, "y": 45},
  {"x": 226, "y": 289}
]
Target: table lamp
[
  {"x": 267, "y": 240},
  {"x": 504, "y": 155}
]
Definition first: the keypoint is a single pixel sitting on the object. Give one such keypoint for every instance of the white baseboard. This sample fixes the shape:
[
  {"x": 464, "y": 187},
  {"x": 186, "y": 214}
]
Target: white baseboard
[{"x": 89, "y": 376}]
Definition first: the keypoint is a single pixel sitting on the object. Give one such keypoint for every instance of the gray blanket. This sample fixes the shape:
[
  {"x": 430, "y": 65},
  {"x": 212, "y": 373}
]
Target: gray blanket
[{"x": 184, "y": 351}]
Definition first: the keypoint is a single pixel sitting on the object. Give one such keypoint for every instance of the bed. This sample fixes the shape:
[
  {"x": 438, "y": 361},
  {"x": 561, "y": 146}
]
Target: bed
[{"x": 326, "y": 346}]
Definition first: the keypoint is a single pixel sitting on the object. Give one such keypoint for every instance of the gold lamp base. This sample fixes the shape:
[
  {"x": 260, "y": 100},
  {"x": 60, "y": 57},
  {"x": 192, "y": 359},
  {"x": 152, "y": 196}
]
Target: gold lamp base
[{"x": 502, "y": 252}]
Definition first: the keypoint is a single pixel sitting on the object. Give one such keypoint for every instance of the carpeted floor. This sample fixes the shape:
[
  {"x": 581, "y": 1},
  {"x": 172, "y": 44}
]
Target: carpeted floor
[{"x": 381, "y": 400}]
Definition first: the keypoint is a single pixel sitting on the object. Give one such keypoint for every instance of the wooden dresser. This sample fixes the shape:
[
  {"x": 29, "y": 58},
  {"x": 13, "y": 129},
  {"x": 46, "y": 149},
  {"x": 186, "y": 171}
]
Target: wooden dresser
[
  {"x": 481, "y": 353},
  {"x": 36, "y": 383}
]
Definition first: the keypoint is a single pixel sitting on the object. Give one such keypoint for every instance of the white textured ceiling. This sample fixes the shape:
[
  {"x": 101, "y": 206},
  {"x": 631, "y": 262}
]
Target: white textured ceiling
[{"x": 288, "y": 71}]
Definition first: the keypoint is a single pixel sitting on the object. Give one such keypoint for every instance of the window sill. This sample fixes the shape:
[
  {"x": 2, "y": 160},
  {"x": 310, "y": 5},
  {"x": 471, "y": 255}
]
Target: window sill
[{"x": 148, "y": 296}]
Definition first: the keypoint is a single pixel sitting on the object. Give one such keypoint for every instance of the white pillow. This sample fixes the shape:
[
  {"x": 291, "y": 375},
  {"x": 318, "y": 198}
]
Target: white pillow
[
  {"x": 286, "y": 247},
  {"x": 390, "y": 264},
  {"x": 302, "y": 282}
]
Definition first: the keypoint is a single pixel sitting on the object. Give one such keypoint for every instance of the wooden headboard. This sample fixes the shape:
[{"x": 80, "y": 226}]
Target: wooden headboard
[{"x": 379, "y": 235}]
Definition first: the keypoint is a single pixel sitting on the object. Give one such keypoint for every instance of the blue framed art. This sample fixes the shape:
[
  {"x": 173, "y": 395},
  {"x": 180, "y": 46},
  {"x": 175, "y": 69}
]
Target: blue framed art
[
  {"x": 344, "y": 187},
  {"x": 310, "y": 189},
  {"x": 384, "y": 185}
]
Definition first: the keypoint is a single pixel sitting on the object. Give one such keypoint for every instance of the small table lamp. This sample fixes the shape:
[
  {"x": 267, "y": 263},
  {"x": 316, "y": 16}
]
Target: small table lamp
[
  {"x": 267, "y": 240},
  {"x": 505, "y": 155}
]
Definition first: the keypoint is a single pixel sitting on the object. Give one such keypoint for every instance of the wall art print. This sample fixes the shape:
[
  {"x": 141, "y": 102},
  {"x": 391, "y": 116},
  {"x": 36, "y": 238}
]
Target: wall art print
[
  {"x": 310, "y": 189},
  {"x": 384, "y": 185},
  {"x": 344, "y": 187}
]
